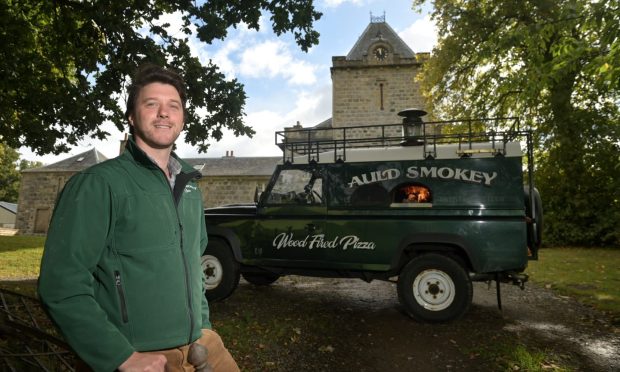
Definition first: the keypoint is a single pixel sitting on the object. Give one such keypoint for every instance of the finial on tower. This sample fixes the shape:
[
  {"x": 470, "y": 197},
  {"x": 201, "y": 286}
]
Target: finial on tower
[{"x": 377, "y": 19}]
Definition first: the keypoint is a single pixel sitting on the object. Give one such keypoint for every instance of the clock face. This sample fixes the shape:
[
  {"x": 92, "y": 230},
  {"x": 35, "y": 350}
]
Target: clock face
[{"x": 380, "y": 53}]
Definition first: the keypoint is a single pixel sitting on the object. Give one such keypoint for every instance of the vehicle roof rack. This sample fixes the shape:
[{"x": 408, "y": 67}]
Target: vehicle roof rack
[{"x": 469, "y": 137}]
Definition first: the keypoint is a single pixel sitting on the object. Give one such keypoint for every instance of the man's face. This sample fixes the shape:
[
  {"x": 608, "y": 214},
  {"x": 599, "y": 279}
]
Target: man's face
[{"x": 158, "y": 116}]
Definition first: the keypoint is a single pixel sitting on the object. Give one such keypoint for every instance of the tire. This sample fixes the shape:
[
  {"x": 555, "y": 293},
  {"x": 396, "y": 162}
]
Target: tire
[
  {"x": 260, "y": 278},
  {"x": 534, "y": 232},
  {"x": 434, "y": 288},
  {"x": 221, "y": 271}
]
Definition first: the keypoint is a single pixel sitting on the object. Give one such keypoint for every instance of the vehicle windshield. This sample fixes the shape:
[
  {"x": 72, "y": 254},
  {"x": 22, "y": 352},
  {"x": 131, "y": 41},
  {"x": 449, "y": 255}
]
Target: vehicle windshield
[{"x": 296, "y": 186}]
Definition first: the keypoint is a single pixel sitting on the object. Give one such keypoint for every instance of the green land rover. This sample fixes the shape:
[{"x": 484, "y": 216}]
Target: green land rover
[{"x": 431, "y": 206}]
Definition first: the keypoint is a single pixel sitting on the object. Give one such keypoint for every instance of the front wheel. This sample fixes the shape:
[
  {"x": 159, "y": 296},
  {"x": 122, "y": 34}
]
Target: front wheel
[
  {"x": 434, "y": 288},
  {"x": 221, "y": 271}
]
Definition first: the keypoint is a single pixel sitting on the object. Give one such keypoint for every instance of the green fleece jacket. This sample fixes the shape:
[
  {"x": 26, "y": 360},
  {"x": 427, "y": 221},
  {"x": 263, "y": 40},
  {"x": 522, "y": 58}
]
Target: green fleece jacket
[{"x": 121, "y": 267}]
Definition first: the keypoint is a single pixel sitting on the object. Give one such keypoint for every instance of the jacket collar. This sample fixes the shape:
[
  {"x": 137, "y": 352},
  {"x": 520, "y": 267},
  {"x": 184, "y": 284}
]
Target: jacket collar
[{"x": 132, "y": 150}]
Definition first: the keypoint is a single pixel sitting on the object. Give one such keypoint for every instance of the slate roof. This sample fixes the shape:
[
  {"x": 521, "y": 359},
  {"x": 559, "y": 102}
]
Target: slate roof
[
  {"x": 235, "y": 166},
  {"x": 11, "y": 207},
  {"x": 375, "y": 32},
  {"x": 73, "y": 164},
  {"x": 224, "y": 166},
  {"x": 324, "y": 124}
]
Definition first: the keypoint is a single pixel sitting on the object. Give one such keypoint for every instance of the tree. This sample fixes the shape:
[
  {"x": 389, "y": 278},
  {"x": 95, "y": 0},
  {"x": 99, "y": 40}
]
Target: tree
[
  {"x": 555, "y": 64},
  {"x": 10, "y": 177},
  {"x": 65, "y": 63}
]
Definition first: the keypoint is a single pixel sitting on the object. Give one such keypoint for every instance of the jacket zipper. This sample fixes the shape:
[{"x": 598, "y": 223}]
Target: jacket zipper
[
  {"x": 121, "y": 295},
  {"x": 188, "y": 290},
  {"x": 187, "y": 286}
]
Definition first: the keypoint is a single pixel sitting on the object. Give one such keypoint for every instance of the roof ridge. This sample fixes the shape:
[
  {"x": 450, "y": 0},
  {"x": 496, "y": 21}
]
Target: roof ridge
[{"x": 379, "y": 32}]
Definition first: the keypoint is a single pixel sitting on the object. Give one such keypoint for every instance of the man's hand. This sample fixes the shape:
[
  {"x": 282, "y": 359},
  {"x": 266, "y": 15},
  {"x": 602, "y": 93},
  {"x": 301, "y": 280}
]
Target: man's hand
[{"x": 142, "y": 362}]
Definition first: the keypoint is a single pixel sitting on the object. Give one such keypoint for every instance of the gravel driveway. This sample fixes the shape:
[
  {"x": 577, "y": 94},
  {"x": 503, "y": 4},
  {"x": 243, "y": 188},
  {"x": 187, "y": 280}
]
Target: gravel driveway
[
  {"x": 371, "y": 333},
  {"x": 316, "y": 324}
]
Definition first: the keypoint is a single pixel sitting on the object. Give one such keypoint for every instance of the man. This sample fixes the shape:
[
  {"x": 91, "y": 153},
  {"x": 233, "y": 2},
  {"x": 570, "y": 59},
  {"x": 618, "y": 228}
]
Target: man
[{"x": 120, "y": 273}]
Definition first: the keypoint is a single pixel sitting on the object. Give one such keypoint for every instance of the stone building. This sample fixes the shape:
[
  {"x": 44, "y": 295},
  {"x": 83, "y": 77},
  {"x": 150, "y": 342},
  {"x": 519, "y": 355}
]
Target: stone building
[
  {"x": 231, "y": 179},
  {"x": 376, "y": 79},
  {"x": 40, "y": 187},
  {"x": 371, "y": 84},
  {"x": 225, "y": 180},
  {"x": 8, "y": 213}
]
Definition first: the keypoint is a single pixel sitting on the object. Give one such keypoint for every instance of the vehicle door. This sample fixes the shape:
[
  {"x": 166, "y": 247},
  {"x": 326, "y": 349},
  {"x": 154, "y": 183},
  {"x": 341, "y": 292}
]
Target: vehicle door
[{"x": 291, "y": 218}]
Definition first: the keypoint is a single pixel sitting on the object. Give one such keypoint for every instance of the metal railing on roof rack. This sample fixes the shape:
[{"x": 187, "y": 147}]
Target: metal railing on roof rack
[{"x": 313, "y": 142}]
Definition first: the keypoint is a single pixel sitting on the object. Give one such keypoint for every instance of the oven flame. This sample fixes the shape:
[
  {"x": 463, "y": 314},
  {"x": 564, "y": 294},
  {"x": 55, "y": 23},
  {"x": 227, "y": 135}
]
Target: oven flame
[{"x": 416, "y": 194}]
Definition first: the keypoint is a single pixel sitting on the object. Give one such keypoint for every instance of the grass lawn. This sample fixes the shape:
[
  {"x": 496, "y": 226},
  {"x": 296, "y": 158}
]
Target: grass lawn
[
  {"x": 591, "y": 275},
  {"x": 20, "y": 256}
]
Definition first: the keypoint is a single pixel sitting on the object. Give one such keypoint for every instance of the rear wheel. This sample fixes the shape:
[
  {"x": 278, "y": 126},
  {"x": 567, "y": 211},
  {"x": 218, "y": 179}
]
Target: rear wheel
[
  {"x": 260, "y": 278},
  {"x": 221, "y": 271},
  {"x": 534, "y": 231},
  {"x": 434, "y": 288}
]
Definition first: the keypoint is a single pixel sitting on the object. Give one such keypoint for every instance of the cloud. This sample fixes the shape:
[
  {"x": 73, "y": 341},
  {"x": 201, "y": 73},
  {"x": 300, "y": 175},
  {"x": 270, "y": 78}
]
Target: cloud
[
  {"x": 337, "y": 3},
  {"x": 175, "y": 20},
  {"x": 272, "y": 59},
  {"x": 421, "y": 35},
  {"x": 310, "y": 108},
  {"x": 222, "y": 57}
]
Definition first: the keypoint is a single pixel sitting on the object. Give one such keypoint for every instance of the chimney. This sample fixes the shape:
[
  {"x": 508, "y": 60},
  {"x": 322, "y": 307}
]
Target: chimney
[{"x": 413, "y": 126}]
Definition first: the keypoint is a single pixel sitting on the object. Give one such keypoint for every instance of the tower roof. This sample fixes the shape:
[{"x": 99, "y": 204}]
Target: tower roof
[{"x": 379, "y": 32}]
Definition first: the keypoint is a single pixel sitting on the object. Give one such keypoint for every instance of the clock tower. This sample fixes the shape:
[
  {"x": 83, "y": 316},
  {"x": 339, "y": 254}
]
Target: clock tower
[{"x": 376, "y": 79}]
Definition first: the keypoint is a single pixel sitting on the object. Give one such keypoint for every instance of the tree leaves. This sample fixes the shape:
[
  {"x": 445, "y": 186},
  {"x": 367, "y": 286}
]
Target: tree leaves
[
  {"x": 555, "y": 64},
  {"x": 65, "y": 64},
  {"x": 10, "y": 177}
]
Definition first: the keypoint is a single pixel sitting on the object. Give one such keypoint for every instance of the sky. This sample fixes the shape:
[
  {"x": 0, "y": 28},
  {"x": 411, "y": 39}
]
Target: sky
[{"x": 283, "y": 84}]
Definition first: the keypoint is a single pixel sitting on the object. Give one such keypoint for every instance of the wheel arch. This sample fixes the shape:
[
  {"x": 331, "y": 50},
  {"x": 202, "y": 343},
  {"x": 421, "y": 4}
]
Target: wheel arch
[
  {"x": 229, "y": 237},
  {"x": 447, "y": 244}
]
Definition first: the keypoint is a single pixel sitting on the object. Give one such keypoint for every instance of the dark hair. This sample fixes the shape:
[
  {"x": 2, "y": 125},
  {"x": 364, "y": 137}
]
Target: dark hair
[{"x": 147, "y": 74}]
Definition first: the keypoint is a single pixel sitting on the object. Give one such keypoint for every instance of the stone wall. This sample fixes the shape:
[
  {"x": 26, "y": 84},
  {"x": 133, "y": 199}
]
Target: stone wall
[
  {"x": 220, "y": 190},
  {"x": 366, "y": 93},
  {"x": 37, "y": 195},
  {"x": 39, "y": 190}
]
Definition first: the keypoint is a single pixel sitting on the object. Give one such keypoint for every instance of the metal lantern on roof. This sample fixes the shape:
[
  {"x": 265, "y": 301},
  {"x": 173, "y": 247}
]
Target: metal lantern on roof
[{"x": 413, "y": 125}]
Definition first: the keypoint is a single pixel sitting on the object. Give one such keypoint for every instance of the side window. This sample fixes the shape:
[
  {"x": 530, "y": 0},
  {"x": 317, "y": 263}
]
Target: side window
[
  {"x": 411, "y": 195},
  {"x": 317, "y": 191},
  {"x": 297, "y": 186}
]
